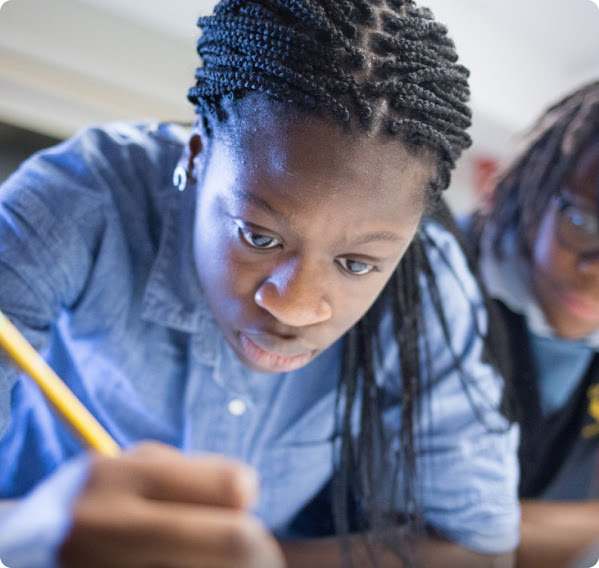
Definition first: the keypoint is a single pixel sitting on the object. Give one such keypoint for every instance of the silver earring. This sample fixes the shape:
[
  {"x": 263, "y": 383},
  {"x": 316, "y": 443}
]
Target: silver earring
[{"x": 180, "y": 178}]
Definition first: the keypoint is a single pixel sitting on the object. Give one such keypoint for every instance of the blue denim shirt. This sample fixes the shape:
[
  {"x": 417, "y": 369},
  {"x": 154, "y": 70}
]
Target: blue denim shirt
[{"x": 96, "y": 268}]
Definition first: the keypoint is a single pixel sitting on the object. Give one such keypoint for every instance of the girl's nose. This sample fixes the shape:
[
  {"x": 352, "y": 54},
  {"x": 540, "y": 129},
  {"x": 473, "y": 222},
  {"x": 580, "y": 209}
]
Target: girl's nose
[
  {"x": 295, "y": 295},
  {"x": 589, "y": 264}
]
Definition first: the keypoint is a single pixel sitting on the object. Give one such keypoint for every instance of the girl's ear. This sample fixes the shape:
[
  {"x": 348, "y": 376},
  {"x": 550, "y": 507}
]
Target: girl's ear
[{"x": 185, "y": 170}]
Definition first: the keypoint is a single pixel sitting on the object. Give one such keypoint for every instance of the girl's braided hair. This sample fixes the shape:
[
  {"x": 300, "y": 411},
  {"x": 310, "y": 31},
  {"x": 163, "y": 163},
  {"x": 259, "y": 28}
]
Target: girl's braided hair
[
  {"x": 378, "y": 67},
  {"x": 371, "y": 65}
]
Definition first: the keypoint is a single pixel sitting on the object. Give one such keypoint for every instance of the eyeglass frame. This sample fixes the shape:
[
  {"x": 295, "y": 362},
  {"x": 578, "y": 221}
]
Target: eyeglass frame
[{"x": 563, "y": 204}]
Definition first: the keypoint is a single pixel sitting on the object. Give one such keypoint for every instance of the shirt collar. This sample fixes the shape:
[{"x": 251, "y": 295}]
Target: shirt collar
[
  {"x": 507, "y": 280},
  {"x": 173, "y": 296}
]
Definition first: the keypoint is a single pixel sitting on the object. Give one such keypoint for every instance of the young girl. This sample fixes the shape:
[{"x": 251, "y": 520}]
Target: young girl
[
  {"x": 258, "y": 318},
  {"x": 539, "y": 257}
]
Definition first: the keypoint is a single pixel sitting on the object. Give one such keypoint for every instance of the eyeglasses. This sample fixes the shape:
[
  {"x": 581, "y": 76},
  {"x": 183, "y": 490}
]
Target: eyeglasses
[{"x": 577, "y": 228}]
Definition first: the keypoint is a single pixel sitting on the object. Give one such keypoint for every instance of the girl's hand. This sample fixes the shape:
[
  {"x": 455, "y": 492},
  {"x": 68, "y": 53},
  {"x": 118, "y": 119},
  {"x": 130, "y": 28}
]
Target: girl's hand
[{"x": 154, "y": 507}]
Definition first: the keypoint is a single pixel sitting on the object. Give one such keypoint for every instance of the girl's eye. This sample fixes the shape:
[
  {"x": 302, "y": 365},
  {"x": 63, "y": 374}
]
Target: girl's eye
[
  {"x": 583, "y": 222},
  {"x": 356, "y": 267},
  {"x": 257, "y": 240}
]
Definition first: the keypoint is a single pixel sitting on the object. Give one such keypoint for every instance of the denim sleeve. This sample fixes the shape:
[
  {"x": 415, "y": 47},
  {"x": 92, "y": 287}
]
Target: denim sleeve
[
  {"x": 45, "y": 259},
  {"x": 64, "y": 217},
  {"x": 467, "y": 468},
  {"x": 66, "y": 228},
  {"x": 44, "y": 263},
  {"x": 33, "y": 528},
  {"x": 469, "y": 454}
]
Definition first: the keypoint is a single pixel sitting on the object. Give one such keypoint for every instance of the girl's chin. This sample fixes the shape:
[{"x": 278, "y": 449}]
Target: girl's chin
[{"x": 571, "y": 326}]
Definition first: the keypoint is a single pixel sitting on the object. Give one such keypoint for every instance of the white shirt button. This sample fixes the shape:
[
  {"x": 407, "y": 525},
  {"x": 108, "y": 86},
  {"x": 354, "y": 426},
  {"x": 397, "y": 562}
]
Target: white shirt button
[{"x": 237, "y": 407}]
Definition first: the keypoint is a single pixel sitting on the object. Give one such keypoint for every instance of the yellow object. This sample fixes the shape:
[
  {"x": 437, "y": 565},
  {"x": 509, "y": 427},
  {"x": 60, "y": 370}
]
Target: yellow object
[
  {"x": 591, "y": 430},
  {"x": 84, "y": 425}
]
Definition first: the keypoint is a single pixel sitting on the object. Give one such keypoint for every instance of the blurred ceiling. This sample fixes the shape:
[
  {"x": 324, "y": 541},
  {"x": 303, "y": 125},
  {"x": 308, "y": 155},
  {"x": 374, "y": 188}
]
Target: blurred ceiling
[{"x": 67, "y": 63}]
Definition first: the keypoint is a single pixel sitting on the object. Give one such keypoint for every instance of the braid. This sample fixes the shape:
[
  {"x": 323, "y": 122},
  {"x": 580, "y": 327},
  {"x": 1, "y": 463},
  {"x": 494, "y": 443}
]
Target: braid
[
  {"x": 553, "y": 144},
  {"x": 377, "y": 66}
]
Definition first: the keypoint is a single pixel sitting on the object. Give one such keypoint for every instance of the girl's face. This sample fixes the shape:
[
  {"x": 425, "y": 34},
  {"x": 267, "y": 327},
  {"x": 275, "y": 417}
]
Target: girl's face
[
  {"x": 298, "y": 228},
  {"x": 565, "y": 262}
]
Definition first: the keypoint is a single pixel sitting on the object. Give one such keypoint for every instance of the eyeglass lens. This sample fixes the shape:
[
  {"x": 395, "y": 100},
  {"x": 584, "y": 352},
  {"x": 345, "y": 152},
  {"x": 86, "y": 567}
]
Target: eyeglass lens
[{"x": 578, "y": 229}]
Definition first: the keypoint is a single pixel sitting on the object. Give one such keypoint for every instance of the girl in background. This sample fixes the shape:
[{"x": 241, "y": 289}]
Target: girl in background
[{"x": 538, "y": 253}]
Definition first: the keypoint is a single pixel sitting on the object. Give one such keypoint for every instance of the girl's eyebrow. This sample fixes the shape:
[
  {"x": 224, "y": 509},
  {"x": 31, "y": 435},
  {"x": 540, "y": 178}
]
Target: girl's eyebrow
[
  {"x": 578, "y": 200},
  {"x": 257, "y": 201},
  {"x": 378, "y": 236}
]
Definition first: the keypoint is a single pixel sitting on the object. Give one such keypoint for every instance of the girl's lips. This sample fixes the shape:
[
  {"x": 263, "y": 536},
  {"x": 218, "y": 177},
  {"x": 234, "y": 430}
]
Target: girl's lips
[
  {"x": 579, "y": 307},
  {"x": 277, "y": 345},
  {"x": 271, "y": 361}
]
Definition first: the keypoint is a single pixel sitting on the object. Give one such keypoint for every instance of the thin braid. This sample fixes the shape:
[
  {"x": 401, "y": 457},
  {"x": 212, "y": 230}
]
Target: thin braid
[{"x": 408, "y": 322}]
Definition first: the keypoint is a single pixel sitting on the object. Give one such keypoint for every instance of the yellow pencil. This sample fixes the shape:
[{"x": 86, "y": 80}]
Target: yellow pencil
[{"x": 84, "y": 425}]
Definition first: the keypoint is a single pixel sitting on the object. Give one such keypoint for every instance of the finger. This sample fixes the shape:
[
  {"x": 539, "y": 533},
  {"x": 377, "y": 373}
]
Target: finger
[
  {"x": 209, "y": 537},
  {"x": 161, "y": 473},
  {"x": 135, "y": 533}
]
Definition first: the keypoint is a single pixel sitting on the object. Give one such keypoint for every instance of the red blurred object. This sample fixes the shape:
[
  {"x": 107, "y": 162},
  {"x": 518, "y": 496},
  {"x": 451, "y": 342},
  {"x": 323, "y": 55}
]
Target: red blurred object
[{"x": 485, "y": 169}]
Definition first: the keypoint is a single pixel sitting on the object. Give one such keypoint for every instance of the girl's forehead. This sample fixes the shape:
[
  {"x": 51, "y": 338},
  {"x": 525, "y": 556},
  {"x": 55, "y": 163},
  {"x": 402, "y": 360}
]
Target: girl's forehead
[
  {"x": 313, "y": 172},
  {"x": 301, "y": 143}
]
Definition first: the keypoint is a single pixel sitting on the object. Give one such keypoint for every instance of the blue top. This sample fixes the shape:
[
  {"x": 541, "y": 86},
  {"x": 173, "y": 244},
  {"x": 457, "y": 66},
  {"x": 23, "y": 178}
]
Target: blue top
[{"x": 96, "y": 268}]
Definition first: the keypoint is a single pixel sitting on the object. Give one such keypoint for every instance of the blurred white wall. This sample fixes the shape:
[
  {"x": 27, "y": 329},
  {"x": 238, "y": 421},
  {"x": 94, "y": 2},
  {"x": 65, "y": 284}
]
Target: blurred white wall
[{"x": 68, "y": 63}]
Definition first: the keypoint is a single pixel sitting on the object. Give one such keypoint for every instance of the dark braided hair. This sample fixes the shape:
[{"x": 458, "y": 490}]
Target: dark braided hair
[
  {"x": 551, "y": 150},
  {"x": 369, "y": 65},
  {"x": 377, "y": 67}
]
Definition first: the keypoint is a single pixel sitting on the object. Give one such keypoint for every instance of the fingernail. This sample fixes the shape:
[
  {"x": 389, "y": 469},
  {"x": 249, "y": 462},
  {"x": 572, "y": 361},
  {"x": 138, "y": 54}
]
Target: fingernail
[{"x": 249, "y": 485}]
